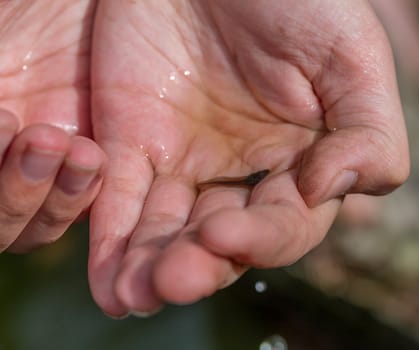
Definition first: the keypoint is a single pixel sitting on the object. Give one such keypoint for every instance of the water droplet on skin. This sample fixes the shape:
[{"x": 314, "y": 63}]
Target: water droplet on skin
[
  {"x": 261, "y": 286},
  {"x": 28, "y": 56},
  {"x": 164, "y": 152},
  {"x": 274, "y": 342},
  {"x": 145, "y": 154},
  {"x": 26, "y": 60},
  {"x": 163, "y": 93},
  {"x": 333, "y": 129},
  {"x": 70, "y": 129},
  {"x": 172, "y": 76}
]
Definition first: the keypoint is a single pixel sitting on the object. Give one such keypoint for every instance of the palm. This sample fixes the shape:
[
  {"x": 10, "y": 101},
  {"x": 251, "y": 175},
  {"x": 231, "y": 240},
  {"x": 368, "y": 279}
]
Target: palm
[
  {"x": 183, "y": 92},
  {"x": 45, "y": 67},
  {"x": 184, "y": 103}
]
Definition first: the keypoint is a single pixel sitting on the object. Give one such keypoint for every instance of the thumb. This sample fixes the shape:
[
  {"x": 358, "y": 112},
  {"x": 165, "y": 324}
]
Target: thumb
[
  {"x": 366, "y": 148},
  {"x": 358, "y": 159}
]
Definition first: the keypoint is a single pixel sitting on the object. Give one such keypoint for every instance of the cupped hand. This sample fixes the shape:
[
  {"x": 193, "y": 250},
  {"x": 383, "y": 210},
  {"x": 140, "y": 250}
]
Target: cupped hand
[
  {"x": 48, "y": 176},
  {"x": 186, "y": 91}
]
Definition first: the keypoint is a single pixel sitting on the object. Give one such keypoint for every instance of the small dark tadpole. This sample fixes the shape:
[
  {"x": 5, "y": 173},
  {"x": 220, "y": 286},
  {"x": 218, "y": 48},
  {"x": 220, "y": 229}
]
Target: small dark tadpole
[{"x": 242, "y": 181}]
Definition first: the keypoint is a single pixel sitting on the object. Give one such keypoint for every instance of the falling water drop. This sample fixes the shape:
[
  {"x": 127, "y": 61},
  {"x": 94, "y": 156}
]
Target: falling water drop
[
  {"x": 261, "y": 286},
  {"x": 26, "y": 61},
  {"x": 274, "y": 342}
]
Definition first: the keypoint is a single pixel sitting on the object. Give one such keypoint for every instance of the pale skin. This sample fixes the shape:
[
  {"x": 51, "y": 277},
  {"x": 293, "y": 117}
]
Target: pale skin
[
  {"x": 48, "y": 176},
  {"x": 186, "y": 91}
]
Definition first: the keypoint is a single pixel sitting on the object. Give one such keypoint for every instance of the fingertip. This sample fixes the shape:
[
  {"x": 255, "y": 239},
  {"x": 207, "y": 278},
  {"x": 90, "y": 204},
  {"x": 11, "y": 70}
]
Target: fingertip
[
  {"x": 8, "y": 128},
  {"x": 221, "y": 231},
  {"x": 316, "y": 193},
  {"x": 82, "y": 169},
  {"x": 103, "y": 265},
  {"x": 86, "y": 153},
  {"x": 133, "y": 284},
  {"x": 8, "y": 121},
  {"x": 186, "y": 273},
  {"x": 43, "y": 137}
]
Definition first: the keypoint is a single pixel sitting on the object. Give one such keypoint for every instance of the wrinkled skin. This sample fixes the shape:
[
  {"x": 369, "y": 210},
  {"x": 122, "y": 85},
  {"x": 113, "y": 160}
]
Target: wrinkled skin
[
  {"x": 183, "y": 91},
  {"x": 44, "y": 79}
]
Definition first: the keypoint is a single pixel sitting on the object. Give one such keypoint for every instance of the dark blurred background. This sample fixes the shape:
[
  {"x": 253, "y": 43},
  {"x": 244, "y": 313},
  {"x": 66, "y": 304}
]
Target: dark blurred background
[{"x": 358, "y": 290}]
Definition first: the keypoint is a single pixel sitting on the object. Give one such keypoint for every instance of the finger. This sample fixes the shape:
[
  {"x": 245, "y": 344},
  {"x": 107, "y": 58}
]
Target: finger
[
  {"x": 276, "y": 229},
  {"x": 218, "y": 198},
  {"x": 366, "y": 149},
  {"x": 136, "y": 281},
  {"x": 76, "y": 185},
  {"x": 186, "y": 272},
  {"x": 165, "y": 213},
  {"x": 8, "y": 129},
  {"x": 113, "y": 218},
  {"x": 27, "y": 175}
]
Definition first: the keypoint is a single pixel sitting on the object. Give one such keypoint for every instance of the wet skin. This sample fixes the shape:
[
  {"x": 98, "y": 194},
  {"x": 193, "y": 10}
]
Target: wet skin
[{"x": 185, "y": 91}]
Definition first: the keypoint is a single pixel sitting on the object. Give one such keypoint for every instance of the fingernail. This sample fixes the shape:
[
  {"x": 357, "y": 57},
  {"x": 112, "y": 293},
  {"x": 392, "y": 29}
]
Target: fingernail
[
  {"x": 143, "y": 314},
  {"x": 38, "y": 165},
  {"x": 117, "y": 318},
  {"x": 341, "y": 184},
  {"x": 73, "y": 180}
]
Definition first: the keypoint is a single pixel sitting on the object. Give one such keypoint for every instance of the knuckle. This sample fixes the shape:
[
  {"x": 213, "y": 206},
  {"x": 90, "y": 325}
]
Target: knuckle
[
  {"x": 390, "y": 160},
  {"x": 4, "y": 246},
  {"x": 10, "y": 214},
  {"x": 395, "y": 173},
  {"x": 49, "y": 217}
]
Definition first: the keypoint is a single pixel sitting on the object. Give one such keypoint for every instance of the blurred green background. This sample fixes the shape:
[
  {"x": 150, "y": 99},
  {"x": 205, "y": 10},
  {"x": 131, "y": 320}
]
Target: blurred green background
[
  {"x": 358, "y": 290},
  {"x": 45, "y": 304}
]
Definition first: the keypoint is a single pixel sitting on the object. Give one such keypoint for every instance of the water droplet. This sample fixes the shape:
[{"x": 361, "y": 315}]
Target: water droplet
[
  {"x": 172, "y": 76},
  {"x": 274, "y": 342},
  {"x": 70, "y": 129},
  {"x": 333, "y": 129},
  {"x": 164, "y": 152},
  {"x": 261, "y": 286},
  {"x": 163, "y": 93},
  {"x": 186, "y": 73},
  {"x": 28, "y": 56},
  {"x": 26, "y": 60},
  {"x": 143, "y": 152}
]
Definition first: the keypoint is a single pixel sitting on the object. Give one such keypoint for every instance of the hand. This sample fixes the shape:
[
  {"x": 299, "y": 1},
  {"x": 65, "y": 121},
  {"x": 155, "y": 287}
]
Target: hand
[
  {"x": 47, "y": 176},
  {"x": 186, "y": 91}
]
